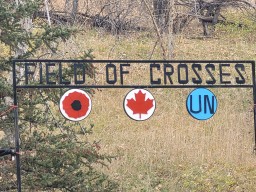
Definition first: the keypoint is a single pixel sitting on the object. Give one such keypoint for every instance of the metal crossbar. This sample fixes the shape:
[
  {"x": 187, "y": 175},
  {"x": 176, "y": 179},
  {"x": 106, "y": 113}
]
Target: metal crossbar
[{"x": 109, "y": 74}]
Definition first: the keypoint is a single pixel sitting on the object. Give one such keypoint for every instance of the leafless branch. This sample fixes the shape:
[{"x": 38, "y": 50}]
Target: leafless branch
[{"x": 160, "y": 38}]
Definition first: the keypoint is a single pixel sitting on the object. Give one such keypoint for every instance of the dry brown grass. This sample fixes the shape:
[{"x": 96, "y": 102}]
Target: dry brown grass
[
  {"x": 171, "y": 137},
  {"x": 172, "y": 151}
]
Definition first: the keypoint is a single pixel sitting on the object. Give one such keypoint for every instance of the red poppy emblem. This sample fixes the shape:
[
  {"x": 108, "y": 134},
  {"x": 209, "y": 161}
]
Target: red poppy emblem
[{"x": 75, "y": 105}]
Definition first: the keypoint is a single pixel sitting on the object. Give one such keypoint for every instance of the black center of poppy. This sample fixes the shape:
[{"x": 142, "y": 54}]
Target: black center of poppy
[{"x": 76, "y": 105}]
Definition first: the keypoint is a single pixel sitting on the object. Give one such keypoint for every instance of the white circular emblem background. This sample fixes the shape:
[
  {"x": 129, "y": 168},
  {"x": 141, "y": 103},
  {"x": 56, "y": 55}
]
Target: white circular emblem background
[
  {"x": 134, "y": 100},
  {"x": 66, "y": 94}
]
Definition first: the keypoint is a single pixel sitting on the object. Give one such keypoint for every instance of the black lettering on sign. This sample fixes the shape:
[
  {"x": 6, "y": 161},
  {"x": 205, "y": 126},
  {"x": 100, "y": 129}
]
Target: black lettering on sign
[
  {"x": 206, "y": 103},
  {"x": 196, "y": 68},
  {"x": 62, "y": 81},
  {"x": 79, "y": 68},
  {"x": 41, "y": 73},
  {"x": 199, "y": 104},
  {"x": 27, "y": 71},
  {"x": 224, "y": 74},
  {"x": 185, "y": 69},
  {"x": 162, "y": 73},
  {"x": 123, "y": 72},
  {"x": 212, "y": 67},
  {"x": 48, "y": 74},
  {"x": 210, "y": 104},
  {"x": 168, "y": 71},
  {"x": 113, "y": 68},
  {"x": 239, "y": 68},
  {"x": 152, "y": 81}
]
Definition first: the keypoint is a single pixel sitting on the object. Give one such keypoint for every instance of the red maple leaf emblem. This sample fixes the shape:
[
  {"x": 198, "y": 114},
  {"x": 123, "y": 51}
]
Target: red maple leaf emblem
[{"x": 140, "y": 105}]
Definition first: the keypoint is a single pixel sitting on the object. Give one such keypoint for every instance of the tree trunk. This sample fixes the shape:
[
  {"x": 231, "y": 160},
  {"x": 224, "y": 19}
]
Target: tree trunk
[
  {"x": 161, "y": 13},
  {"x": 170, "y": 29},
  {"x": 74, "y": 9},
  {"x": 71, "y": 8}
]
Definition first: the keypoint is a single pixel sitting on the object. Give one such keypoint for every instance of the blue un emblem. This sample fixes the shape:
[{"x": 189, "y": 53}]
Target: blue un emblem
[{"x": 201, "y": 104}]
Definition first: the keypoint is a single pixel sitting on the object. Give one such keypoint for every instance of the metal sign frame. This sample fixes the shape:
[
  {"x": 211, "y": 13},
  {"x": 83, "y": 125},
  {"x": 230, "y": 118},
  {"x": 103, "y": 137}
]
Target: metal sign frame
[{"x": 123, "y": 62}]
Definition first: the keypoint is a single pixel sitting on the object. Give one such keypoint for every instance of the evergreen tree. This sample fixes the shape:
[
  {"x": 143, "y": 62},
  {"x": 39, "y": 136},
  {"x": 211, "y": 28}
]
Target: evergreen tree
[{"x": 55, "y": 153}]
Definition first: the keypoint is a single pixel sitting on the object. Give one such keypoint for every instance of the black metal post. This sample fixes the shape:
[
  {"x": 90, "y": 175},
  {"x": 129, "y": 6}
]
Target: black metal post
[
  {"x": 179, "y": 85},
  {"x": 254, "y": 102},
  {"x": 17, "y": 132}
]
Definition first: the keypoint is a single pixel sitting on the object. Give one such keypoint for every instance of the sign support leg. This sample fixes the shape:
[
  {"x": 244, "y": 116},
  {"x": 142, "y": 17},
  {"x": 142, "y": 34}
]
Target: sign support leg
[
  {"x": 17, "y": 132},
  {"x": 254, "y": 104},
  {"x": 254, "y": 98}
]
